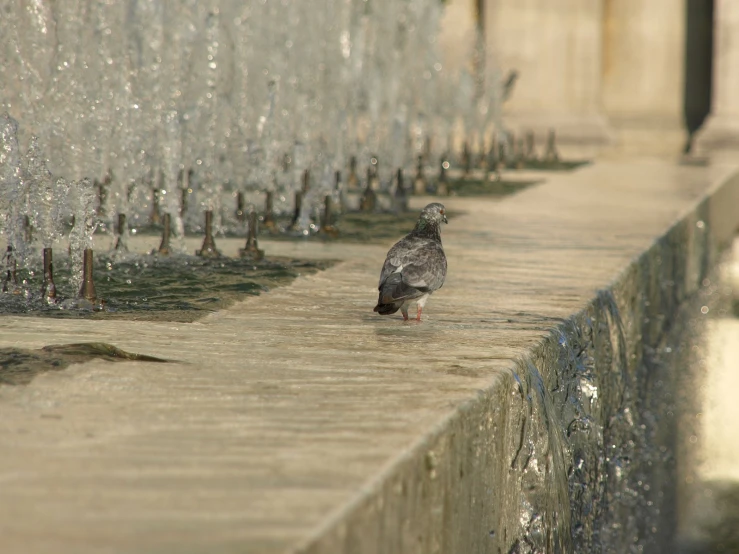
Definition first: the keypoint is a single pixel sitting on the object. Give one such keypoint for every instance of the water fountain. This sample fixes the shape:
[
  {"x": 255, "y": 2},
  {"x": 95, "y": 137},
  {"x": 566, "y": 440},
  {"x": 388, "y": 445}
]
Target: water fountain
[{"x": 140, "y": 116}]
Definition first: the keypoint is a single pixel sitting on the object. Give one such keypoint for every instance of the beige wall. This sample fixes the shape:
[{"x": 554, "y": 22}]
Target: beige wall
[
  {"x": 457, "y": 32},
  {"x": 606, "y": 74},
  {"x": 643, "y": 72},
  {"x": 555, "y": 45},
  {"x": 719, "y": 136}
]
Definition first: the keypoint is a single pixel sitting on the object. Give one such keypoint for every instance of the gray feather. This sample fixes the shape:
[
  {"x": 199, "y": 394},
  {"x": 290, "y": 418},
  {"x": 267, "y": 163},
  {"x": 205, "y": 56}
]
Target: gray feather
[{"x": 416, "y": 265}]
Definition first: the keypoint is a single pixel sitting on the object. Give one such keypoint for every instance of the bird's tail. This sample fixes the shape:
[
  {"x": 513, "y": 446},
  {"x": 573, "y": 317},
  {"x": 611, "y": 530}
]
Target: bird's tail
[
  {"x": 387, "y": 309},
  {"x": 393, "y": 293}
]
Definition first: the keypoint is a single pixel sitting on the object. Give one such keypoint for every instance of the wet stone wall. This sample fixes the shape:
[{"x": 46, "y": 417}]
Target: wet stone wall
[
  {"x": 603, "y": 405},
  {"x": 581, "y": 448}
]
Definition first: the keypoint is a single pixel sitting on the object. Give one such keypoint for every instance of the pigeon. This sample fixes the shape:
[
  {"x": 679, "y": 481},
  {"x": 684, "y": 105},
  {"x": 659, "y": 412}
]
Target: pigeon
[{"x": 415, "y": 266}]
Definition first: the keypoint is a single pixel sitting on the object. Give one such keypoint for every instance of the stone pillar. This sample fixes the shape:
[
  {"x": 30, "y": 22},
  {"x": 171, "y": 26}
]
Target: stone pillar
[
  {"x": 555, "y": 46},
  {"x": 457, "y": 33},
  {"x": 643, "y": 72},
  {"x": 719, "y": 136}
]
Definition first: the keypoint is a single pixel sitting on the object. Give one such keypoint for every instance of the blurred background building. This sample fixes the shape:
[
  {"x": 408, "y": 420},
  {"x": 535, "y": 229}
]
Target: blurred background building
[{"x": 613, "y": 77}]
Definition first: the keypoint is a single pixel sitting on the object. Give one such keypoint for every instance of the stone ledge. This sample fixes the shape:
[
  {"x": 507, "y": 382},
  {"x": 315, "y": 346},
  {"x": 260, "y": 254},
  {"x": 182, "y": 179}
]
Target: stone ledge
[
  {"x": 298, "y": 421},
  {"x": 520, "y": 468}
]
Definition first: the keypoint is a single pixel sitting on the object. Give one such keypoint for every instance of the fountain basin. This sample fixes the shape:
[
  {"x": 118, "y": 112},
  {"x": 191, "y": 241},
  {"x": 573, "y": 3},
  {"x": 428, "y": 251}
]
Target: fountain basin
[
  {"x": 301, "y": 422},
  {"x": 153, "y": 287}
]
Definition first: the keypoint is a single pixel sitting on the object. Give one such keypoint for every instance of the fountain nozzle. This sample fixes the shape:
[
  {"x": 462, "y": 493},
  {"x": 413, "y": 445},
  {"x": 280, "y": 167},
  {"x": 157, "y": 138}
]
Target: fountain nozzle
[
  {"x": 240, "y": 213},
  {"x": 251, "y": 250},
  {"x": 419, "y": 183},
  {"x": 208, "y": 250},
  {"x": 120, "y": 242},
  {"x": 466, "y": 159},
  {"x": 48, "y": 287},
  {"x": 155, "y": 217},
  {"x": 11, "y": 278},
  {"x": 269, "y": 217},
  {"x": 369, "y": 197},
  {"x": 326, "y": 227},
  {"x": 551, "y": 156},
  {"x": 87, "y": 291},
  {"x": 164, "y": 245},
  {"x": 298, "y": 208}
]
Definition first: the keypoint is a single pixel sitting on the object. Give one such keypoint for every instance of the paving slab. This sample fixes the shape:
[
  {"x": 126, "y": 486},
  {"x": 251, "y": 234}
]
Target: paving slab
[{"x": 283, "y": 415}]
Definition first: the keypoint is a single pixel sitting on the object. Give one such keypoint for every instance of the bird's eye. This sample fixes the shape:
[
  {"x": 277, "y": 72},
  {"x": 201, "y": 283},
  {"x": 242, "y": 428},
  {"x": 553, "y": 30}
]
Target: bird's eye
[{"x": 441, "y": 212}]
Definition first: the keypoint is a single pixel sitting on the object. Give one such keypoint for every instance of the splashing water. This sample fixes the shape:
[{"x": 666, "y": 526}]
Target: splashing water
[
  {"x": 14, "y": 187},
  {"x": 48, "y": 196},
  {"x": 231, "y": 90},
  {"x": 80, "y": 238}
]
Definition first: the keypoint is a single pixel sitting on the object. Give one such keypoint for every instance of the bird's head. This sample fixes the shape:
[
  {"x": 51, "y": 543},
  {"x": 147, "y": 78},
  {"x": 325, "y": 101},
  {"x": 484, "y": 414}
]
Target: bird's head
[{"x": 434, "y": 213}]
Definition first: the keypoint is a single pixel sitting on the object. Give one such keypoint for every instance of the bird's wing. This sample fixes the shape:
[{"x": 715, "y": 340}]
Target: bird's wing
[{"x": 421, "y": 263}]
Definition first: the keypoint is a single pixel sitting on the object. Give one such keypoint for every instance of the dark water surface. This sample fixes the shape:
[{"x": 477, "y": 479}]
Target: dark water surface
[{"x": 174, "y": 288}]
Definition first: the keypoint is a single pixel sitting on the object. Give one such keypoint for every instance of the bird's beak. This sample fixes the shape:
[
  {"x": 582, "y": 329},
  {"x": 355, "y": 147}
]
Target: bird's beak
[{"x": 444, "y": 219}]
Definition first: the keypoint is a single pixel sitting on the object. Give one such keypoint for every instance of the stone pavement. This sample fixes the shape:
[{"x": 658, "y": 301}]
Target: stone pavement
[{"x": 290, "y": 413}]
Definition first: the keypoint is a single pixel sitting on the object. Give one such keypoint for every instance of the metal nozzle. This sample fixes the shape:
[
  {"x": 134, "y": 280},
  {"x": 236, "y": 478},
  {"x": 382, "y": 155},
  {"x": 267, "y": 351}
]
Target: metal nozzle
[
  {"x": 419, "y": 183},
  {"x": 48, "y": 287},
  {"x": 306, "y": 180},
  {"x": 208, "y": 250},
  {"x": 369, "y": 197},
  {"x": 11, "y": 278},
  {"x": 87, "y": 291},
  {"x": 466, "y": 158},
  {"x": 251, "y": 250},
  {"x": 353, "y": 181},
  {"x": 298, "y": 208},
  {"x": 240, "y": 213},
  {"x": 102, "y": 196},
  {"x": 164, "y": 245},
  {"x": 27, "y": 229},
  {"x": 155, "y": 218},
  {"x": 551, "y": 155},
  {"x": 326, "y": 221},
  {"x": 269, "y": 217},
  {"x": 120, "y": 242}
]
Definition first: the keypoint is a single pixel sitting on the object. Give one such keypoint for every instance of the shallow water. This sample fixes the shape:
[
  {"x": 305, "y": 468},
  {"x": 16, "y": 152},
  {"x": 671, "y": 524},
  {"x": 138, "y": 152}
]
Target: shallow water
[
  {"x": 476, "y": 187},
  {"x": 175, "y": 288},
  {"x": 355, "y": 227}
]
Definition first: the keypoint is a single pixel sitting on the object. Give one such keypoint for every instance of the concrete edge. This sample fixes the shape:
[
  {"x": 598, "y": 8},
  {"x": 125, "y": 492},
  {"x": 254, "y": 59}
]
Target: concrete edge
[{"x": 457, "y": 489}]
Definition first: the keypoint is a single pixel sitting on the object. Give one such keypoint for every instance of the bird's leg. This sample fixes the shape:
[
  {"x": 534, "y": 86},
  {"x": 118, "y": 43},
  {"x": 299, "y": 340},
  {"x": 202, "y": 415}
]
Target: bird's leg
[
  {"x": 404, "y": 310},
  {"x": 418, "y": 314}
]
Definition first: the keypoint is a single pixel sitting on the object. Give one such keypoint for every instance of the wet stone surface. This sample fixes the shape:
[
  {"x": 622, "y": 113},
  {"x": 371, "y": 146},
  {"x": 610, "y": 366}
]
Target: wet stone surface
[
  {"x": 527, "y": 413},
  {"x": 18, "y": 366}
]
